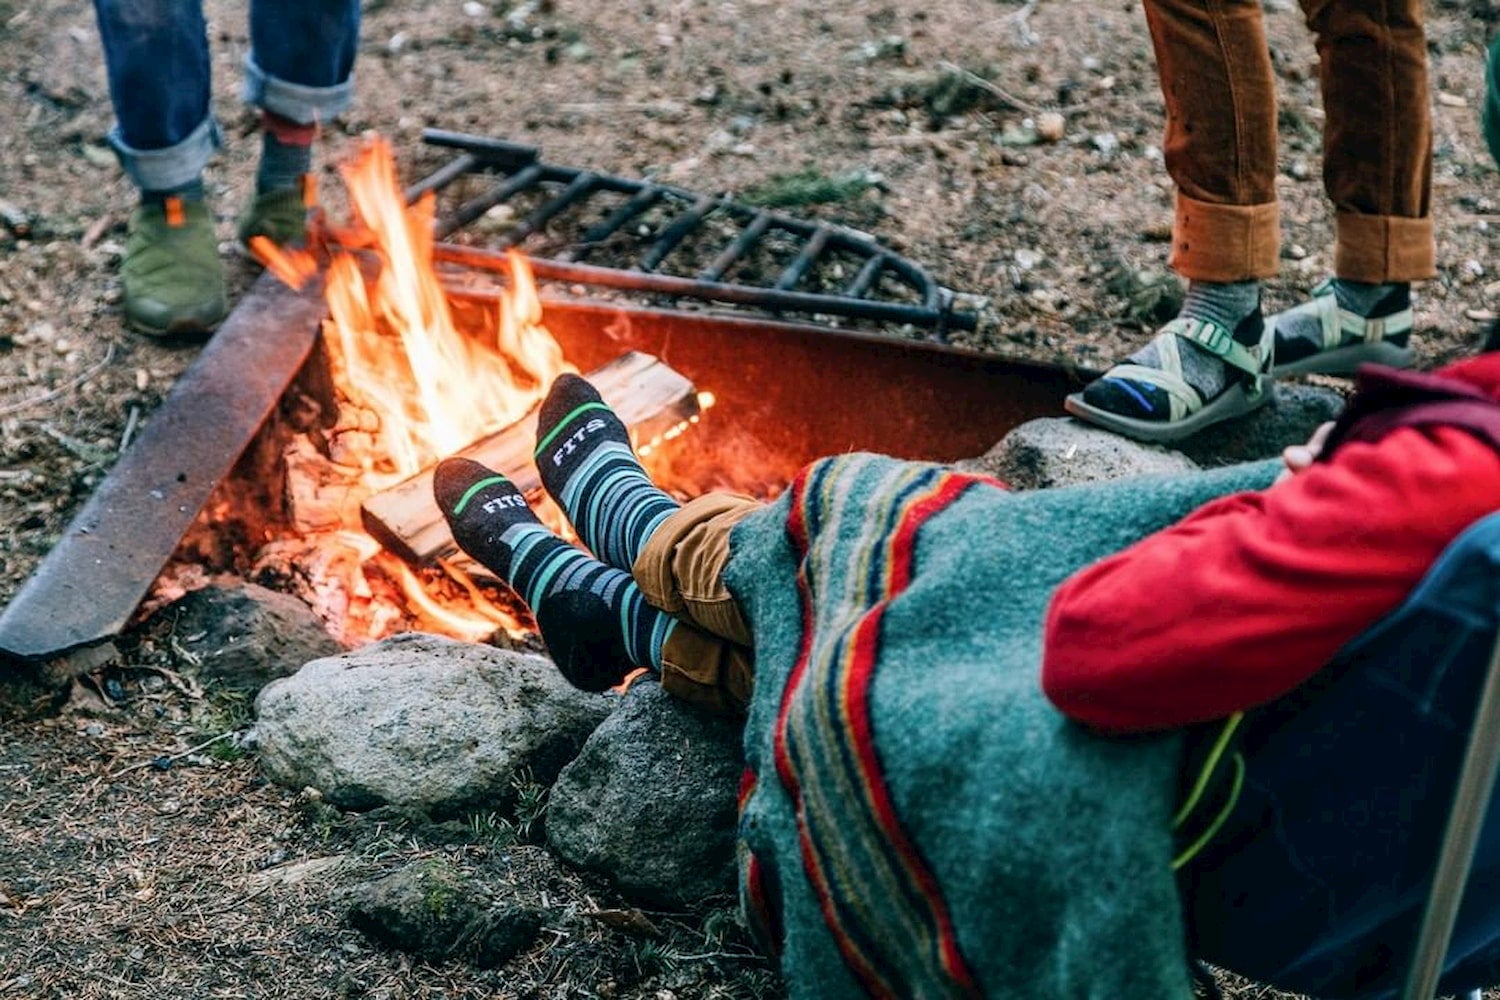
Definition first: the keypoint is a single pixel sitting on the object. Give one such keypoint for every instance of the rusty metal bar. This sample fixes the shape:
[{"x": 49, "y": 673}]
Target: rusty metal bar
[
  {"x": 678, "y": 230},
  {"x": 764, "y": 298},
  {"x": 865, "y": 279},
  {"x": 479, "y": 204},
  {"x": 804, "y": 260},
  {"x": 612, "y": 224},
  {"x": 581, "y": 187},
  {"x": 86, "y": 589},
  {"x": 442, "y": 176},
  {"x": 748, "y": 237}
]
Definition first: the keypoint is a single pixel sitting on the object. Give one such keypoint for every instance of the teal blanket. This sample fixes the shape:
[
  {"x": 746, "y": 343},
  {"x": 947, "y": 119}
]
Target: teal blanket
[{"x": 917, "y": 820}]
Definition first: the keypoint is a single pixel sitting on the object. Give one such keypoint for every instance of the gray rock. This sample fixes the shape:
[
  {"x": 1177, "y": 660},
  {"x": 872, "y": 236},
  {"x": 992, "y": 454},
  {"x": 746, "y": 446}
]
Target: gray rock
[
  {"x": 1061, "y": 451},
  {"x": 1290, "y": 418},
  {"x": 422, "y": 721},
  {"x": 650, "y": 801},
  {"x": 246, "y": 636},
  {"x": 430, "y": 909}
]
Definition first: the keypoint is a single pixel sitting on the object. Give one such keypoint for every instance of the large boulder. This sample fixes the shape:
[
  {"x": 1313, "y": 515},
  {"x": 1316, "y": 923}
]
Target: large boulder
[
  {"x": 650, "y": 801},
  {"x": 245, "y": 636},
  {"x": 1061, "y": 451},
  {"x": 422, "y": 721}
]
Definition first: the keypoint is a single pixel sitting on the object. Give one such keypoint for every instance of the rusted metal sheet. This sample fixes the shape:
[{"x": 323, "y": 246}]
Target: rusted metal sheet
[
  {"x": 89, "y": 585},
  {"x": 788, "y": 393}
]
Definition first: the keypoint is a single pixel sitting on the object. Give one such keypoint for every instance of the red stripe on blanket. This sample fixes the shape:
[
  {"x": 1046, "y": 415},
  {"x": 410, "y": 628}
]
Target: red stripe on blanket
[{"x": 855, "y": 697}]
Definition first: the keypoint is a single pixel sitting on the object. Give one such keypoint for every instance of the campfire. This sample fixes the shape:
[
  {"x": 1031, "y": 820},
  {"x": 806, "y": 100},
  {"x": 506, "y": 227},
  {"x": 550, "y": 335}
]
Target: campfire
[
  {"x": 362, "y": 540},
  {"x": 298, "y": 457}
]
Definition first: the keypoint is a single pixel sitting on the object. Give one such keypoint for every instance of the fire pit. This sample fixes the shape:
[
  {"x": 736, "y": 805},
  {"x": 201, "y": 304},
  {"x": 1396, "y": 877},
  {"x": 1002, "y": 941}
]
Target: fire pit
[{"x": 288, "y": 456}]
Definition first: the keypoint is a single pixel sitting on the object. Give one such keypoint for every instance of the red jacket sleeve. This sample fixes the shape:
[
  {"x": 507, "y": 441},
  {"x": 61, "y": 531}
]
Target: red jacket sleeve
[{"x": 1254, "y": 593}]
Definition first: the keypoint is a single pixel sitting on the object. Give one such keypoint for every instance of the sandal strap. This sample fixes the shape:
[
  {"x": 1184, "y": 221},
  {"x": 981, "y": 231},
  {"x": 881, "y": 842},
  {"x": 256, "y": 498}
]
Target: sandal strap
[
  {"x": 1218, "y": 339},
  {"x": 1336, "y": 322}
]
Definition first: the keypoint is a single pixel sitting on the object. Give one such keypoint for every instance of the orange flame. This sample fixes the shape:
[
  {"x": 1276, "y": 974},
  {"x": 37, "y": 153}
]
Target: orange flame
[{"x": 415, "y": 386}]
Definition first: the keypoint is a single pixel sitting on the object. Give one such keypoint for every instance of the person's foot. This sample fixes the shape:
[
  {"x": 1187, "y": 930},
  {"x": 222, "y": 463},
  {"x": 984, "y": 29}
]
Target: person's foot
[
  {"x": 588, "y": 467},
  {"x": 280, "y": 216},
  {"x": 1344, "y": 325},
  {"x": 594, "y": 619},
  {"x": 172, "y": 277},
  {"x": 1207, "y": 365}
]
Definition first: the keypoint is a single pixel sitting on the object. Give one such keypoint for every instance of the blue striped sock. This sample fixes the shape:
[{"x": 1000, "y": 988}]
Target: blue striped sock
[
  {"x": 594, "y": 619},
  {"x": 584, "y": 456}
]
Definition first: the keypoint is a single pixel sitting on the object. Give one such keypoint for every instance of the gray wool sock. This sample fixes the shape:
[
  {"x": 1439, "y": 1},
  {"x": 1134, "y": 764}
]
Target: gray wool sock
[
  {"x": 1225, "y": 303},
  {"x": 1358, "y": 297}
]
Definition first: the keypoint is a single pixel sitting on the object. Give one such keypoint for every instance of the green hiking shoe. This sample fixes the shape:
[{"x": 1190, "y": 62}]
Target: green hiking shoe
[
  {"x": 279, "y": 216},
  {"x": 173, "y": 280}
]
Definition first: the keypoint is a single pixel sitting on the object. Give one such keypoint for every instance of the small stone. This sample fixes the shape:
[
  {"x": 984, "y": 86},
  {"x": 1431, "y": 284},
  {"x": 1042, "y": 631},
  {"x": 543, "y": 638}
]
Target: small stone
[
  {"x": 1481, "y": 315},
  {"x": 1027, "y": 259},
  {"x": 1050, "y": 126},
  {"x": 474, "y": 9},
  {"x": 170, "y": 807},
  {"x": 93, "y": 729},
  {"x": 1448, "y": 100},
  {"x": 1092, "y": 64},
  {"x": 1105, "y": 142},
  {"x": 1299, "y": 170},
  {"x": 397, "y": 42},
  {"x": 1473, "y": 270},
  {"x": 1106, "y": 83},
  {"x": 1294, "y": 251}
]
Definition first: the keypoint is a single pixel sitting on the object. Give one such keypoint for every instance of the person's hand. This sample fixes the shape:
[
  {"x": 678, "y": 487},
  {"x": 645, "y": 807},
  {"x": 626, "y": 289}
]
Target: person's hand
[{"x": 1300, "y": 457}]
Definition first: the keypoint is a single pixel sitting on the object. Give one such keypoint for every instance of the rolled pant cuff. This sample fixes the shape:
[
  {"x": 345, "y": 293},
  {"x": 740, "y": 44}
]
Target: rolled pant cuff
[
  {"x": 173, "y": 167},
  {"x": 680, "y": 569},
  {"x": 294, "y": 101},
  {"x": 1381, "y": 248},
  {"x": 1213, "y": 242}
]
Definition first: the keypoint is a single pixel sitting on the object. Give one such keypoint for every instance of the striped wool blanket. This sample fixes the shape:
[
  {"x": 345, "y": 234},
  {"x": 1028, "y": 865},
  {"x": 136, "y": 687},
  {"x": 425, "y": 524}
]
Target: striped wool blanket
[{"x": 917, "y": 821}]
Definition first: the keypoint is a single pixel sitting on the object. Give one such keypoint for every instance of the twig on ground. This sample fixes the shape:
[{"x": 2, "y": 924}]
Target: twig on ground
[
  {"x": 174, "y": 756},
  {"x": 994, "y": 90},
  {"x": 97, "y": 229},
  {"x": 129, "y": 432},
  {"x": 72, "y": 383}
]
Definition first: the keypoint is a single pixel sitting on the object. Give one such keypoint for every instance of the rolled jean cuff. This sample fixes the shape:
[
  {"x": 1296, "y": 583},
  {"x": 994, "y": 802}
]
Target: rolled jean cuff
[
  {"x": 173, "y": 167},
  {"x": 1381, "y": 248},
  {"x": 294, "y": 101},
  {"x": 1213, "y": 242}
]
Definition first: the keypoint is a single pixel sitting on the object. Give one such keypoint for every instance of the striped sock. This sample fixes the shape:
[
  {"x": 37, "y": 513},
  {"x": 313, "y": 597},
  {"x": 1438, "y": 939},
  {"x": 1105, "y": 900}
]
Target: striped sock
[
  {"x": 584, "y": 456},
  {"x": 593, "y": 618}
]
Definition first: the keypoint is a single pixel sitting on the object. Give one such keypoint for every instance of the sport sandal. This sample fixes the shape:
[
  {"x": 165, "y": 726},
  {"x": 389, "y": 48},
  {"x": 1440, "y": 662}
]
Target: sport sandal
[
  {"x": 1348, "y": 339},
  {"x": 1249, "y": 385}
]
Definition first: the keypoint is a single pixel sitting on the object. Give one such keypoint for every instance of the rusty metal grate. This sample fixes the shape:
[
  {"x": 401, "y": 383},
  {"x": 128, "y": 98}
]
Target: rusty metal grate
[{"x": 883, "y": 286}]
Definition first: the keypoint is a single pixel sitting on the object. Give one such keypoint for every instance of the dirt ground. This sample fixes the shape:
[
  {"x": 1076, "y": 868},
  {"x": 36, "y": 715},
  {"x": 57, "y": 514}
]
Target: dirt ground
[{"x": 147, "y": 882}]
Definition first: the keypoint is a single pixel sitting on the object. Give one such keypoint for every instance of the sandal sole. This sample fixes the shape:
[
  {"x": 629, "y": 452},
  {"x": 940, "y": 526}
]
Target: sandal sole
[
  {"x": 1233, "y": 402},
  {"x": 1345, "y": 360}
]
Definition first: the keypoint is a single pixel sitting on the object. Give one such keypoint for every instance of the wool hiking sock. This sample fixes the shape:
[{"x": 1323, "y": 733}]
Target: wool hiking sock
[
  {"x": 1234, "y": 305},
  {"x": 191, "y": 192},
  {"x": 594, "y": 619},
  {"x": 1300, "y": 335},
  {"x": 285, "y": 154},
  {"x": 584, "y": 456}
]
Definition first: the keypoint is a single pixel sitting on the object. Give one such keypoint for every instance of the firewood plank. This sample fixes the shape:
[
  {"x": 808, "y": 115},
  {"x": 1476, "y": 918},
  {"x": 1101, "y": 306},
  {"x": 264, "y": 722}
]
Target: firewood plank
[{"x": 649, "y": 396}]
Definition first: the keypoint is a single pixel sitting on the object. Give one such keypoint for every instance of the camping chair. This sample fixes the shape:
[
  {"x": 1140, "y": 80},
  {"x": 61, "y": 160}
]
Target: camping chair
[
  {"x": 1414, "y": 701},
  {"x": 1471, "y": 801}
]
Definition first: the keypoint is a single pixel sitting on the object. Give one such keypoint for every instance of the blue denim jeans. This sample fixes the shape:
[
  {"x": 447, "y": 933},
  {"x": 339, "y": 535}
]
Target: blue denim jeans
[
  {"x": 299, "y": 67},
  {"x": 1316, "y": 884}
]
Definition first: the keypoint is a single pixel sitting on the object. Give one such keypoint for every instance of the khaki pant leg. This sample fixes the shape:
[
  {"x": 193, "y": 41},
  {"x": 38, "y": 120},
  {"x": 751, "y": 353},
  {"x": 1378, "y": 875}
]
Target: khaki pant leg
[{"x": 681, "y": 571}]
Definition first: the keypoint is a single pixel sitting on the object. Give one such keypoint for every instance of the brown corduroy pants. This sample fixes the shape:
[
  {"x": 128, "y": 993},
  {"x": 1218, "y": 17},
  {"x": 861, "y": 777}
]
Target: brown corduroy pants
[
  {"x": 1220, "y": 145},
  {"x": 707, "y": 660}
]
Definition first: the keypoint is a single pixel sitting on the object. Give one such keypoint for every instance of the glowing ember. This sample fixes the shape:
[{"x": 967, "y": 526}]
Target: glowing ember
[{"x": 412, "y": 388}]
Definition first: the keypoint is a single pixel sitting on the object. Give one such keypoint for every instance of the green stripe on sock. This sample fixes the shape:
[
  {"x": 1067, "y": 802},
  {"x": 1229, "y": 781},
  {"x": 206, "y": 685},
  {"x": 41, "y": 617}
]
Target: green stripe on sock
[
  {"x": 463, "y": 501},
  {"x": 541, "y": 445}
]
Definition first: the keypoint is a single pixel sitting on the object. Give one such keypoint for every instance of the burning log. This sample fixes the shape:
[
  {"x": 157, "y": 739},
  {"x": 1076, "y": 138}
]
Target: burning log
[{"x": 651, "y": 398}]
